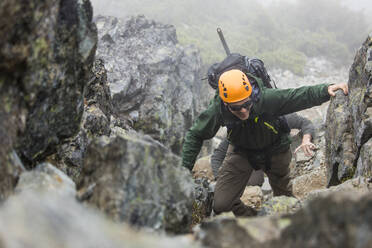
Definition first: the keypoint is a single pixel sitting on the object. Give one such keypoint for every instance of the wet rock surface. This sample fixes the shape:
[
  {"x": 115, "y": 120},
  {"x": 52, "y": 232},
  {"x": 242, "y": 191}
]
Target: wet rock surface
[
  {"x": 336, "y": 219},
  {"x": 46, "y": 50},
  {"x": 339, "y": 220},
  {"x": 141, "y": 182},
  {"x": 46, "y": 178},
  {"x": 114, "y": 128},
  {"x": 72, "y": 225},
  {"x": 152, "y": 78},
  {"x": 96, "y": 122},
  {"x": 348, "y": 120}
]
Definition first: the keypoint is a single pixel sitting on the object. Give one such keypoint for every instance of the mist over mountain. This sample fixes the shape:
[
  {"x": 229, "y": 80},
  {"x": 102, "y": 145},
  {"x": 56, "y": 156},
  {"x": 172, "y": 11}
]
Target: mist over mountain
[{"x": 285, "y": 34}]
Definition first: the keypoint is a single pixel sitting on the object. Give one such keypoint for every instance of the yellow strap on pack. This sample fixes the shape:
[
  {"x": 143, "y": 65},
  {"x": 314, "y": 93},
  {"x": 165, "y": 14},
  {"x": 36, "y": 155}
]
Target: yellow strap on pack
[{"x": 271, "y": 127}]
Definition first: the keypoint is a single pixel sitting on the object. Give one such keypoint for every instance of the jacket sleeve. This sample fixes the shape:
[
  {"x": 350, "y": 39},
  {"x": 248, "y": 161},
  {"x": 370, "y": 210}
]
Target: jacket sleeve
[
  {"x": 296, "y": 121},
  {"x": 218, "y": 156},
  {"x": 205, "y": 127},
  {"x": 286, "y": 101}
]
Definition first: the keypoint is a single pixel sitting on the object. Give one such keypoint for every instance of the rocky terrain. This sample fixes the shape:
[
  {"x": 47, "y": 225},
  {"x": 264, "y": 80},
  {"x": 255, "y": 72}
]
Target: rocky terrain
[{"x": 92, "y": 118}]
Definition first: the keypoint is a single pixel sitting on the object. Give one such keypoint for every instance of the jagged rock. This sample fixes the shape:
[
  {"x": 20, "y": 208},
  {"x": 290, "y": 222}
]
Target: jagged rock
[
  {"x": 264, "y": 229},
  {"x": 96, "y": 122},
  {"x": 224, "y": 233},
  {"x": 314, "y": 180},
  {"x": 97, "y": 91},
  {"x": 365, "y": 161},
  {"x": 153, "y": 79},
  {"x": 61, "y": 56},
  {"x": 360, "y": 184},
  {"x": 202, "y": 206},
  {"x": 9, "y": 174},
  {"x": 280, "y": 205},
  {"x": 139, "y": 181},
  {"x": 46, "y": 50},
  {"x": 349, "y": 124},
  {"x": 45, "y": 177},
  {"x": 341, "y": 219},
  {"x": 36, "y": 220}
]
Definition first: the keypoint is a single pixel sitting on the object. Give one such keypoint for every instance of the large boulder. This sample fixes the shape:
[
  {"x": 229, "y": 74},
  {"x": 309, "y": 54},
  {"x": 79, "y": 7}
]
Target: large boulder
[
  {"x": 360, "y": 184},
  {"x": 46, "y": 49},
  {"x": 349, "y": 121},
  {"x": 46, "y": 178},
  {"x": 36, "y": 220},
  {"x": 153, "y": 79},
  {"x": 135, "y": 179},
  {"x": 337, "y": 219}
]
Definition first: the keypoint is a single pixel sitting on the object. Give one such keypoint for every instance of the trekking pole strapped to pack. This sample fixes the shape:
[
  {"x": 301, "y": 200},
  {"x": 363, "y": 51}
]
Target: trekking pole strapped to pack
[{"x": 223, "y": 41}]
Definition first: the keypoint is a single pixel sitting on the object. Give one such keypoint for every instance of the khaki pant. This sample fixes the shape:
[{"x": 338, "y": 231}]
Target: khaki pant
[{"x": 233, "y": 177}]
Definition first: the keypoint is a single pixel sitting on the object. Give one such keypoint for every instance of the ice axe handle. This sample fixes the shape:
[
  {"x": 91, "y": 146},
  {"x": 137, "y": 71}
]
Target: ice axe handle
[{"x": 223, "y": 41}]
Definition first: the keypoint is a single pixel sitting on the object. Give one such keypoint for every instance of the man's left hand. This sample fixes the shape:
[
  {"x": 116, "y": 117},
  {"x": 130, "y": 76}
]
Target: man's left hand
[{"x": 334, "y": 87}]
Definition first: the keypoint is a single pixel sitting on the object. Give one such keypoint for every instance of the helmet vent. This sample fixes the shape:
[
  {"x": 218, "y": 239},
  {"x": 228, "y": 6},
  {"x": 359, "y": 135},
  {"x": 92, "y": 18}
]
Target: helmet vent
[
  {"x": 247, "y": 88},
  {"x": 224, "y": 89},
  {"x": 225, "y": 94}
]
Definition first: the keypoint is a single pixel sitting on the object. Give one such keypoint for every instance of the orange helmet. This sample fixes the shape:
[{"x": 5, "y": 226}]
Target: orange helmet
[{"x": 234, "y": 86}]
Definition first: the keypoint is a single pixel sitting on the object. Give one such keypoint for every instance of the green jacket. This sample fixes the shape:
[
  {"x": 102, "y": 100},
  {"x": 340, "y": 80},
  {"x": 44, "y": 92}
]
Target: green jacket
[{"x": 256, "y": 133}]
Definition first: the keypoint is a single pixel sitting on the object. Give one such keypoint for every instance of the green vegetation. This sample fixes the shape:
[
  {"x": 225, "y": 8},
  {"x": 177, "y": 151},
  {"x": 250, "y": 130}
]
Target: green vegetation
[{"x": 284, "y": 34}]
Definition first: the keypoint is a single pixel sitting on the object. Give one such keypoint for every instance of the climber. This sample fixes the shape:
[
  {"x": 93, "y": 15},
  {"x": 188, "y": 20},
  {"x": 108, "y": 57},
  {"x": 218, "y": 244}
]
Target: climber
[
  {"x": 257, "y": 136},
  {"x": 295, "y": 121}
]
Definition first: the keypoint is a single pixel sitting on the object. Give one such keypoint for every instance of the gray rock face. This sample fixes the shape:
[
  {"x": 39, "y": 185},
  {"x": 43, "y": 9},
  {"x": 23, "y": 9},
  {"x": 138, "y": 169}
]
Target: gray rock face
[
  {"x": 46, "y": 50},
  {"x": 360, "y": 184},
  {"x": 97, "y": 91},
  {"x": 63, "y": 53},
  {"x": 225, "y": 233},
  {"x": 96, "y": 122},
  {"x": 61, "y": 222},
  {"x": 365, "y": 161},
  {"x": 153, "y": 79},
  {"x": 10, "y": 170},
  {"x": 45, "y": 177},
  {"x": 137, "y": 180},
  {"x": 349, "y": 124},
  {"x": 339, "y": 220},
  {"x": 202, "y": 206},
  {"x": 280, "y": 205}
]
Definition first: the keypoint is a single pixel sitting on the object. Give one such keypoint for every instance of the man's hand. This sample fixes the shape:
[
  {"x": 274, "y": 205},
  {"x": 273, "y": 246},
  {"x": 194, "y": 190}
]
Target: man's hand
[
  {"x": 306, "y": 145},
  {"x": 334, "y": 87}
]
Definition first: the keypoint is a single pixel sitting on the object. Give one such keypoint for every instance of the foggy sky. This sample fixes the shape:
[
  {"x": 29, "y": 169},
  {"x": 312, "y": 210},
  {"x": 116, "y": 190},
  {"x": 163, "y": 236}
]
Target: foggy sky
[{"x": 125, "y": 8}]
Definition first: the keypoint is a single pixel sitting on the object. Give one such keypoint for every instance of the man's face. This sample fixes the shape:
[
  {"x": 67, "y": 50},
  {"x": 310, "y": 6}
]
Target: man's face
[{"x": 241, "y": 109}]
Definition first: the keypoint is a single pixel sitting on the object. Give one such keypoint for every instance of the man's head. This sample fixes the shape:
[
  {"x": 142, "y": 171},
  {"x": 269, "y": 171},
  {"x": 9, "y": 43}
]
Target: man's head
[{"x": 235, "y": 91}]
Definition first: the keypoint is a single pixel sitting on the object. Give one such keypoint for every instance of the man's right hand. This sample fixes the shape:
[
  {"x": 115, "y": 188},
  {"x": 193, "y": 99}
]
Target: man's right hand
[{"x": 306, "y": 145}]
